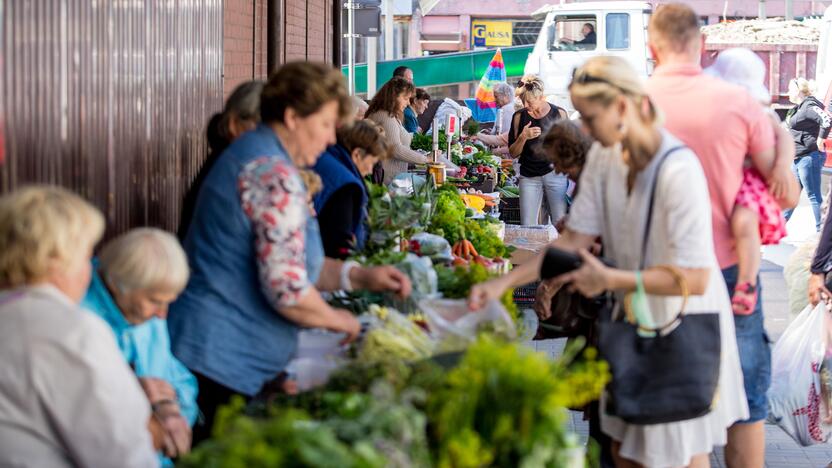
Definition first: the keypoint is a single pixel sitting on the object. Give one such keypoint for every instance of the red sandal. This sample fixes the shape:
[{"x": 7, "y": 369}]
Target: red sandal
[{"x": 745, "y": 299}]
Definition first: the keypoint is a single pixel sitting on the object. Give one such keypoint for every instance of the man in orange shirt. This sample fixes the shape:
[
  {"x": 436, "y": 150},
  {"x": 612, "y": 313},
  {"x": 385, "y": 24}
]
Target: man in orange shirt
[{"x": 722, "y": 124}]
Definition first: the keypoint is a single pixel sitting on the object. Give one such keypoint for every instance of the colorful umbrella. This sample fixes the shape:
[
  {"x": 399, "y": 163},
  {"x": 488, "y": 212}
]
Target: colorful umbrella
[{"x": 485, "y": 106}]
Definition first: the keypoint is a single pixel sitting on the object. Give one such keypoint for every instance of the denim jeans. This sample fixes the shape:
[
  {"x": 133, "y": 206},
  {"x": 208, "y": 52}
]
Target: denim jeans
[
  {"x": 755, "y": 351},
  {"x": 532, "y": 190},
  {"x": 808, "y": 169}
]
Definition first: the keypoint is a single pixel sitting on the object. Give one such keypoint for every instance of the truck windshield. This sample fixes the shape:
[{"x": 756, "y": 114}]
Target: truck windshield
[{"x": 573, "y": 32}]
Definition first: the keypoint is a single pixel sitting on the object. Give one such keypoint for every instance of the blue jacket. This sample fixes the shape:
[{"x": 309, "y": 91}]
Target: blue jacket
[
  {"x": 222, "y": 326},
  {"x": 411, "y": 123},
  {"x": 338, "y": 171},
  {"x": 145, "y": 347}
]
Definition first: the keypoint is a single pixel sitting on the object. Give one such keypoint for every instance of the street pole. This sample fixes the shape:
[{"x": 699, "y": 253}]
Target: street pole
[
  {"x": 388, "y": 30},
  {"x": 350, "y": 35},
  {"x": 761, "y": 12},
  {"x": 372, "y": 58},
  {"x": 789, "y": 10}
]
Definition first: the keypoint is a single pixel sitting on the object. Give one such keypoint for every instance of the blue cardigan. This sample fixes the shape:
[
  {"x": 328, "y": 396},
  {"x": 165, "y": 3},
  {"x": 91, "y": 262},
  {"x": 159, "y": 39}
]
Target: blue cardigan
[{"x": 338, "y": 171}]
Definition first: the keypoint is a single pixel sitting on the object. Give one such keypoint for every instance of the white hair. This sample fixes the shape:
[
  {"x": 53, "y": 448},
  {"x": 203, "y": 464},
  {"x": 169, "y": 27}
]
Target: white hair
[
  {"x": 504, "y": 89},
  {"x": 145, "y": 259}
]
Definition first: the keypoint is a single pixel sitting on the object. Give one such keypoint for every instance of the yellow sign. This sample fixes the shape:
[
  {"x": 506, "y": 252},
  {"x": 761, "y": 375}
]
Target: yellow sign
[{"x": 491, "y": 33}]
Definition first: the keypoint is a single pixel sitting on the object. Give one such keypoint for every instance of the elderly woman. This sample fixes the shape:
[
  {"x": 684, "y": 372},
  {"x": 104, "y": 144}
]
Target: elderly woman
[
  {"x": 342, "y": 205},
  {"x": 537, "y": 179},
  {"x": 504, "y": 95},
  {"x": 67, "y": 398},
  {"x": 256, "y": 260},
  {"x": 387, "y": 109},
  {"x": 134, "y": 279}
]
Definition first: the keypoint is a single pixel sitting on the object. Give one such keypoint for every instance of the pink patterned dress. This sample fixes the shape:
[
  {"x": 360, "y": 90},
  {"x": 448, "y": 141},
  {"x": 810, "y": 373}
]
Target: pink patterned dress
[{"x": 755, "y": 196}]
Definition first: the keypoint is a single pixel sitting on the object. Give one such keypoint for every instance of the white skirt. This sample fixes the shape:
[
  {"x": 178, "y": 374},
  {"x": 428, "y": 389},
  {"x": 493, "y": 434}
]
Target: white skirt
[{"x": 674, "y": 444}]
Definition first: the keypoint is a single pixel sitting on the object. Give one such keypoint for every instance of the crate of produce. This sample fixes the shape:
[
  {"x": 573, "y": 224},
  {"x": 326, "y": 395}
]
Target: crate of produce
[
  {"x": 485, "y": 184},
  {"x": 524, "y": 295}
]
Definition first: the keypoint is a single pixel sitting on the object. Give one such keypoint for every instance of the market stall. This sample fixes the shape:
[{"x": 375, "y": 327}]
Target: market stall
[{"x": 429, "y": 382}]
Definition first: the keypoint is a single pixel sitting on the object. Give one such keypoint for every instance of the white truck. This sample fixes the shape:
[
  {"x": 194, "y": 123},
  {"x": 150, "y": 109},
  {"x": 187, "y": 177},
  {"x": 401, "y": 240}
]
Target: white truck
[{"x": 574, "y": 32}]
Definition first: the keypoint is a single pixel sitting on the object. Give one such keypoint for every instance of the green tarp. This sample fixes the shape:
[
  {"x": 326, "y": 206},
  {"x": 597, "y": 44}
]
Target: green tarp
[{"x": 445, "y": 69}]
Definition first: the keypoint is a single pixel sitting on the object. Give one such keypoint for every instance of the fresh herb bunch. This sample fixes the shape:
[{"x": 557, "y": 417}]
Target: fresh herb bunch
[
  {"x": 487, "y": 243},
  {"x": 424, "y": 142},
  {"x": 389, "y": 217},
  {"x": 503, "y": 405},
  {"x": 288, "y": 439}
]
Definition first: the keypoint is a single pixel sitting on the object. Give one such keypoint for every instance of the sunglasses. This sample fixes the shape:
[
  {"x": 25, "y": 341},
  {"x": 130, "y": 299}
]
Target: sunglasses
[{"x": 586, "y": 78}]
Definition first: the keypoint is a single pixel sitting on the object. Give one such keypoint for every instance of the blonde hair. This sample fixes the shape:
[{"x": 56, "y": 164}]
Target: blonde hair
[
  {"x": 312, "y": 181},
  {"x": 532, "y": 89},
  {"x": 43, "y": 227},
  {"x": 145, "y": 259},
  {"x": 603, "y": 79},
  {"x": 804, "y": 86}
]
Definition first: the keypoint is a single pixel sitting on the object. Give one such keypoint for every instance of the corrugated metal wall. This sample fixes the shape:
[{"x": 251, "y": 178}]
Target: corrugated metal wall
[{"x": 110, "y": 98}]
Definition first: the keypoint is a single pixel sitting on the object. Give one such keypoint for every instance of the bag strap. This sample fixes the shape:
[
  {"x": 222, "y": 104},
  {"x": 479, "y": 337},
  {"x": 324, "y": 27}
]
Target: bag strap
[{"x": 651, "y": 204}]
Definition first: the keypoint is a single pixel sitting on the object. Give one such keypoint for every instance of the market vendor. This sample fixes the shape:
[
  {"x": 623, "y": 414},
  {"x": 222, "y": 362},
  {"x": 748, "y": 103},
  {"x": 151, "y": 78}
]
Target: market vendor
[
  {"x": 537, "y": 177},
  {"x": 387, "y": 109},
  {"x": 254, "y": 249},
  {"x": 342, "y": 205},
  {"x": 134, "y": 279},
  {"x": 504, "y": 95}
]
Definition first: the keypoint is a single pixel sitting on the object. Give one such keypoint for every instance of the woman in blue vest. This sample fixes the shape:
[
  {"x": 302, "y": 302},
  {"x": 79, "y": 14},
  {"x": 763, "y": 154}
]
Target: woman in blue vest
[
  {"x": 254, "y": 249},
  {"x": 342, "y": 204}
]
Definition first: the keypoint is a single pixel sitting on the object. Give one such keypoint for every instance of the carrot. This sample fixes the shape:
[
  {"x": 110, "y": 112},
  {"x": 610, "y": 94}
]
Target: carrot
[{"x": 471, "y": 249}]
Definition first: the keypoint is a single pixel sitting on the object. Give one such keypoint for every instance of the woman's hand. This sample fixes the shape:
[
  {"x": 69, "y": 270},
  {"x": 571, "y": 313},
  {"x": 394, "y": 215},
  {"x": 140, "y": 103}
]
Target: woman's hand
[
  {"x": 157, "y": 390},
  {"x": 382, "y": 279},
  {"x": 821, "y": 146},
  {"x": 530, "y": 132},
  {"x": 484, "y": 292},
  {"x": 177, "y": 431},
  {"x": 817, "y": 287},
  {"x": 543, "y": 298},
  {"x": 591, "y": 279},
  {"x": 345, "y": 322}
]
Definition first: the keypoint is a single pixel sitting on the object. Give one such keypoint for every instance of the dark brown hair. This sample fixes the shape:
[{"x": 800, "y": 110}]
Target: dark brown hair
[
  {"x": 675, "y": 26},
  {"x": 419, "y": 95},
  {"x": 566, "y": 146},
  {"x": 367, "y": 136},
  {"x": 304, "y": 87},
  {"x": 386, "y": 98}
]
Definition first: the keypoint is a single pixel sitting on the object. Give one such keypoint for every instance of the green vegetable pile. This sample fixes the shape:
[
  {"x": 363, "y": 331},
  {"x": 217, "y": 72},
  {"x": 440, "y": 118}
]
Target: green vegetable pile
[
  {"x": 424, "y": 142},
  {"x": 503, "y": 405},
  {"x": 485, "y": 240},
  {"x": 456, "y": 283},
  {"x": 448, "y": 215}
]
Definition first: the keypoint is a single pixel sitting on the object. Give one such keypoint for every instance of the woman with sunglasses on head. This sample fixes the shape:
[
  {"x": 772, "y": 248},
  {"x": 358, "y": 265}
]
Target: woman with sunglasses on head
[
  {"x": 632, "y": 160},
  {"x": 536, "y": 175}
]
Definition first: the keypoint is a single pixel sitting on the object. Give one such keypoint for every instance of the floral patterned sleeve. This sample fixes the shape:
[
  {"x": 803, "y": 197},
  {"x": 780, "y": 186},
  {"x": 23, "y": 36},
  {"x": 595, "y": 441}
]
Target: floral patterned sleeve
[{"x": 274, "y": 199}]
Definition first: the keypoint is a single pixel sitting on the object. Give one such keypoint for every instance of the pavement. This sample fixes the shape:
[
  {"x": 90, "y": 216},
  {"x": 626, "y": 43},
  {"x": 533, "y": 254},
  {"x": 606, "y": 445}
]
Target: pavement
[{"x": 781, "y": 450}]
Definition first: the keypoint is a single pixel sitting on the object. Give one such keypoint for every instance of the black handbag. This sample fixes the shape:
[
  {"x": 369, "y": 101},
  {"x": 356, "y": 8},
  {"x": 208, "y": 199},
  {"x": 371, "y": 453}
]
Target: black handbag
[{"x": 670, "y": 376}]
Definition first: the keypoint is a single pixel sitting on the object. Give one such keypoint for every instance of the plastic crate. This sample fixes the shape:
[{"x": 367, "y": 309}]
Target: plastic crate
[
  {"x": 524, "y": 295},
  {"x": 510, "y": 210}
]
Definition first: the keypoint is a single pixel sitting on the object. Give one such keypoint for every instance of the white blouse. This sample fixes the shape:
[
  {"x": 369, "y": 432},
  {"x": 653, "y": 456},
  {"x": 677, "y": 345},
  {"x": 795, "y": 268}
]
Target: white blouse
[
  {"x": 67, "y": 396},
  {"x": 681, "y": 236}
]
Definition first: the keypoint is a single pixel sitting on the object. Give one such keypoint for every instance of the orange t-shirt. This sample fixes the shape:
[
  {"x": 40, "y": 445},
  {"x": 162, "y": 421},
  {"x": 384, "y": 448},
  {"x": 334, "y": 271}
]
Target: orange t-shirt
[{"x": 722, "y": 124}]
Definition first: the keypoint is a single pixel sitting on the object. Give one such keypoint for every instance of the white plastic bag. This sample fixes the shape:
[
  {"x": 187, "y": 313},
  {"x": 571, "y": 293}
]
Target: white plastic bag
[
  {"x": 453, "y": 318},
  {"x": 795, "y": 402}
]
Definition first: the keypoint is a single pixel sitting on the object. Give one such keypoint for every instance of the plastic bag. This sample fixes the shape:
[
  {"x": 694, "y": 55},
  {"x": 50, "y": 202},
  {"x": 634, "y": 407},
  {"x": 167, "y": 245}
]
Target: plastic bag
[
  {"x": 422, "y": 275},
  {"x": 437, "y": 248},
  {"x": 795, "y": 401},
  {"x": 452, "y": 318}
]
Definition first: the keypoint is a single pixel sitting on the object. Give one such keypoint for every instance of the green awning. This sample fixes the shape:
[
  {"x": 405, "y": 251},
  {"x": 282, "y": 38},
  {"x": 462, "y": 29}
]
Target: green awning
[{"x": 446, "y": 69}]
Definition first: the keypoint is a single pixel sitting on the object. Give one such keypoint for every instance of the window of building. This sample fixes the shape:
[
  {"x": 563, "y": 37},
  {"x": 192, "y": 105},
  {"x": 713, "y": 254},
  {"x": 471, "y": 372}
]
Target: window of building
[
  {"x": 618, "y": 31},
  {"x": 573, "y": 32}
]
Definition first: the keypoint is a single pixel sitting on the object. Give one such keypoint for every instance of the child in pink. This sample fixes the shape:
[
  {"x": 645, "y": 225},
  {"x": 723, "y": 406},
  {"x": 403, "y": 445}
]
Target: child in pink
[{"x": 757, "y": 218}]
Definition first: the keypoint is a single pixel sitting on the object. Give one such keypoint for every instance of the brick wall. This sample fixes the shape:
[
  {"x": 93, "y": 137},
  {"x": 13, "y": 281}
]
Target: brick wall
[
  {"x": 244, "y": 42},
  {"x": 307, "y": 35}
]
